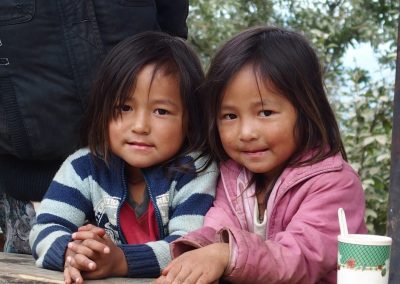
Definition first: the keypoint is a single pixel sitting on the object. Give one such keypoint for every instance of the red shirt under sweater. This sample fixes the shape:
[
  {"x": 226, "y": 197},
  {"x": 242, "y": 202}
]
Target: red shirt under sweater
[{"x": 138, "y": 230}]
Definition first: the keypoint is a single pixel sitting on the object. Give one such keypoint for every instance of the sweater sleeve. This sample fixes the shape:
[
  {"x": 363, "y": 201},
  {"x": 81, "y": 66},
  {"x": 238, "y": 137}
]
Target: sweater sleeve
[
  {"x": 219, "y": 216},
  {"x": 186, "y": 211},
  {"x": 64, "y": 208}
]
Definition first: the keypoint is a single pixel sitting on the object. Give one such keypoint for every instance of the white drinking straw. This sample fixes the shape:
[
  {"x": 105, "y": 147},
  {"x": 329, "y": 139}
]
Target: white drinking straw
[{"x": 342, "y": 222}]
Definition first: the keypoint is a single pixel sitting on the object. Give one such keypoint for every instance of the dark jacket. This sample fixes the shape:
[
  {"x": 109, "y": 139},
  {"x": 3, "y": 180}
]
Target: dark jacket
[{"x": 49, "y": 51}]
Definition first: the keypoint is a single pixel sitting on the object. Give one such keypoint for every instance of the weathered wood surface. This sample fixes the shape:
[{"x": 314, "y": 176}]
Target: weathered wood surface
[{"x": 20, "y": 268}]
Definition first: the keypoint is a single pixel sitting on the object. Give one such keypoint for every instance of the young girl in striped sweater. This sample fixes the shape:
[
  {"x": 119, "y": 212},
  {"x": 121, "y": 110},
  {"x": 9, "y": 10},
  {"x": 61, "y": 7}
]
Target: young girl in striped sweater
[{"x": 144, "y": 179}]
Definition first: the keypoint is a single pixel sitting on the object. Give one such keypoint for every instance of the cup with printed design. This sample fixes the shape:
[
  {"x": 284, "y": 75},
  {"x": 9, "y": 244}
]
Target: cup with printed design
[{"x": 363, "y": 259}]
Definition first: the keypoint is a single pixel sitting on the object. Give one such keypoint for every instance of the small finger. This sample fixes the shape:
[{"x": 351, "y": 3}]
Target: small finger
[
  {"x": 96, "y": 246},
  {"x": 93, "y": 241},
  {"x": 166, "y": 270},
  {"x": 81, "y": 249},
  {"x": 67, "y": 276},
  {"x": 160, "y": 280},
  {"x": 83, "y": 263},
  {"x": 75, "y": 275},
  {"x": 192, "y": 277},
  {"x": 84, "y": 235},
  {"x": 173, "y": 273},
  {"x": 89, "y": 227},
  {"x": 185, "y": 275},
  {"x": 86, "y": 227}
]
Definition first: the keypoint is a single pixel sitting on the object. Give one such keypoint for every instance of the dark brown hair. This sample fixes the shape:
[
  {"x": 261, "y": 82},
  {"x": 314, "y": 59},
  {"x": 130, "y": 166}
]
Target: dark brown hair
[
  {"x": 285, "y": 60},
  {"x": 116, "y": 80}
]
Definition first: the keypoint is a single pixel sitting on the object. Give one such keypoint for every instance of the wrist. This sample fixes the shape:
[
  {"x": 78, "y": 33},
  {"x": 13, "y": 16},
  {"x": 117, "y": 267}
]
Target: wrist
[
  {"x": 122, "y": 264},
  {"x": 224, "y": 254}
]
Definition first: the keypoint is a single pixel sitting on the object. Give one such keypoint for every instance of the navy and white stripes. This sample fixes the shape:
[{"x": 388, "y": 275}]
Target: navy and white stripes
[{"x": 85, "y": 189}]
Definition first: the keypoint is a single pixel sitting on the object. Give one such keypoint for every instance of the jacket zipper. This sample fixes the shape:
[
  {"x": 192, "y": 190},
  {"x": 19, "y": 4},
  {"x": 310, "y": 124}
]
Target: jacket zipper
[
  {"x": 156, "y": 209},
  {"x": 124, "y": 194}
]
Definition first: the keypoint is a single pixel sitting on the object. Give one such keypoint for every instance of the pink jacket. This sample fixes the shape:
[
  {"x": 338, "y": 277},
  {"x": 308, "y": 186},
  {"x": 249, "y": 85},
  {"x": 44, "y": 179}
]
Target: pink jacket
[{"x": 302, "y": 228}]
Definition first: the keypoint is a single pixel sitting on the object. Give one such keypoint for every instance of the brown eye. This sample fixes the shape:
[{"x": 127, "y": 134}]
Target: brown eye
[
  {"x": 265, "y": 113},
  {"x": 125, "y": 108},
  {"x": 161, "y": 111},
  {"x": 229, "y": 116}
]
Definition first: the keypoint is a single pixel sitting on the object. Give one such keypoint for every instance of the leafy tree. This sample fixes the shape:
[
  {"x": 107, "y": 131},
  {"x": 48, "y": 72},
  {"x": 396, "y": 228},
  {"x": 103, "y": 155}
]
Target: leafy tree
[
  {"x": 366, "y": 118},
  {"x": 363, "y": 104},
  {"x": 212, "y": 22}
]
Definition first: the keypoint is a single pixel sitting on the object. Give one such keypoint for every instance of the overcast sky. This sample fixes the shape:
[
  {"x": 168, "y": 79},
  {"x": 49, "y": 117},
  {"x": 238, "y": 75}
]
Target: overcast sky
[{"x": 363, "y": 56}]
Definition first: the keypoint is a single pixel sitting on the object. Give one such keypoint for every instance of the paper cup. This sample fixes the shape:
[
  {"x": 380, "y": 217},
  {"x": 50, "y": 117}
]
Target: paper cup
[{"x": 363, "y": 259}]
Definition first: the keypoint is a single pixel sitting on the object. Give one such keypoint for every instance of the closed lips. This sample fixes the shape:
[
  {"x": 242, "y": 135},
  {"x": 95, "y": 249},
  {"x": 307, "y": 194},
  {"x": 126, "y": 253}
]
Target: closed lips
[
  {"x": 254, "y": 151},
  {"x": 140, "y": 144}
]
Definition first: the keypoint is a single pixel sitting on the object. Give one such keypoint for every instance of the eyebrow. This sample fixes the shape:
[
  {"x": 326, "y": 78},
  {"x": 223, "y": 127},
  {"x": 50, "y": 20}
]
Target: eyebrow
[
  {"x": 264, "y": 102},
  {"x": 261, "y": 102},
  {"x": 156, "y": 101},
  {"x": 164, "y": 102}
]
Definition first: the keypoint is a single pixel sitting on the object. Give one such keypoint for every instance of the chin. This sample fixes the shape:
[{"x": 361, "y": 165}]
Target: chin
[
  {"x": 257, "y": 170},
  {"x": 140, "y": 165}
]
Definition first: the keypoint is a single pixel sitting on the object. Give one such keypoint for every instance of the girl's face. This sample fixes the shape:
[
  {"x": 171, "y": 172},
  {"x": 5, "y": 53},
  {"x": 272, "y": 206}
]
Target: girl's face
[
  {"x": 150, "y": 128},
  {"x": 256, "y": 124}
]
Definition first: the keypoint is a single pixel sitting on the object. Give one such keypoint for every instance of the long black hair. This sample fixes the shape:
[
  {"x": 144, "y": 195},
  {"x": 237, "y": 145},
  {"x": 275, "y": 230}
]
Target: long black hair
[
  {"x": 116, "y": 80},
  {"x": 285, "y": 60}
]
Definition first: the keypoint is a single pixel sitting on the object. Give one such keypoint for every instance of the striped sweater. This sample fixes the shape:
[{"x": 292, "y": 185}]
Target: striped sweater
[{"x": 85, "y": 189}]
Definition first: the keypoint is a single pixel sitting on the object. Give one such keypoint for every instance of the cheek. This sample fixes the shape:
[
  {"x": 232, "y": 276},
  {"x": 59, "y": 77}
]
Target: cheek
[
  {"x": 291, "y": 133},
  {"x": 289, "y": 138},
  {"x": 185, "y": 128},
  {"x": 115, "y": 126},
  {"x": 112, "y": 135},
  {"x": 111, "y": 130},
  {"x": 179, "y": 137},
  {"x": 174, "y": 131},
  {"x": 114, "y": 131},
  {"x": 175, "y": 140},
  {"x": 226, "y": 135}
]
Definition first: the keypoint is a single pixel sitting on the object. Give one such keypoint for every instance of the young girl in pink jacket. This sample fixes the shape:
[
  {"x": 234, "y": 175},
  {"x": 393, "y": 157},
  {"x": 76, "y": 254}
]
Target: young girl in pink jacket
[{"x": 283, "y": 169}]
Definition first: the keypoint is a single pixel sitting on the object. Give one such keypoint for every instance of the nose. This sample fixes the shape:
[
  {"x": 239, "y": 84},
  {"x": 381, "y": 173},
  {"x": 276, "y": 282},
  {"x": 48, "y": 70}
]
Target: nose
[
  {"x": 248, "y": 130},
  {"x": 140, "y": 123}
]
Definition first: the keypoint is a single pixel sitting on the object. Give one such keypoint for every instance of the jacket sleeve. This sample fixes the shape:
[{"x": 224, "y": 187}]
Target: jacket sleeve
[
  {"x": 186, "y": 213},
  {"x": 219, "y": 216},
  {"x": 24, "y": 179},
  {"x": 172, "y": 16},
  {"x": 64, "y": 208},
  {"x": 306, "y": 248}
]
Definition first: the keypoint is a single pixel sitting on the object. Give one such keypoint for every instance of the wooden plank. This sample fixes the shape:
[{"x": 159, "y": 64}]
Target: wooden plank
[{"x": 20, "y": 268}]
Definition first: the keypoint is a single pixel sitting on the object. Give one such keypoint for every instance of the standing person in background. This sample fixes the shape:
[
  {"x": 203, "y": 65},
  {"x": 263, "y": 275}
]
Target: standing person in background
[
  {"x": 49, "y": 51},
  {"x": 283, "y": 167}
]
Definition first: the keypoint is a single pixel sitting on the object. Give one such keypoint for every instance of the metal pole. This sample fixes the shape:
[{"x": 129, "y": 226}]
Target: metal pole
[{"x": 393, "y": 225}]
